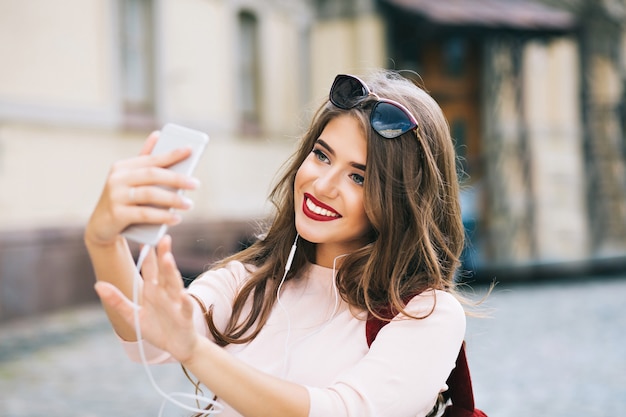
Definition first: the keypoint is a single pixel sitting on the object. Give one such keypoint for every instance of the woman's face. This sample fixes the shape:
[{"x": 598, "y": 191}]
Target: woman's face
[{"x": 328, "y": 191}]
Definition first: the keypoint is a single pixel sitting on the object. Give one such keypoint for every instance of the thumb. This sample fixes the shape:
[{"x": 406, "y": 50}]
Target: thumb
[
  {"x": 148, "y": 145},
  {"x": 113, "y": 298}
]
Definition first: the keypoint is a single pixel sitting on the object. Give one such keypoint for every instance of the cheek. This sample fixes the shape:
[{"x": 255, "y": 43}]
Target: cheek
[
  {"x": 299, "y": 184},
  {"x": 304, "y": 174},
  {"x": 357, "y": 206},
  {"x": 298, "y": 180}
]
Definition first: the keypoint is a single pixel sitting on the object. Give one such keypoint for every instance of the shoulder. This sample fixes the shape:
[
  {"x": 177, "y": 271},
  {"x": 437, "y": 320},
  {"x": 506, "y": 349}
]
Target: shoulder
[
  {"x": 234, "y": 269},
  {"x": 435, "y": 302},
  {"x": 436, "y": 309},
  {"x": 435, "y": 317},
  {"x": 229, "y": 276}
]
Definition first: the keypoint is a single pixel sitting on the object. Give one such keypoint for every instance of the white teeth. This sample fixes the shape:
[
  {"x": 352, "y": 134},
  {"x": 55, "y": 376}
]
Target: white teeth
[{"x": 319, "y": 210}]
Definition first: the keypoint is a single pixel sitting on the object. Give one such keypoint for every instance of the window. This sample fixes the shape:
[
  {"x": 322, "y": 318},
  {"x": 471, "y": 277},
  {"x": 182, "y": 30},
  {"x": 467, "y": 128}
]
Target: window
[
  {"x": 454, "y": 57},
  {"x": 248, "y": 103},
  {"x": 137, "y": 57}
]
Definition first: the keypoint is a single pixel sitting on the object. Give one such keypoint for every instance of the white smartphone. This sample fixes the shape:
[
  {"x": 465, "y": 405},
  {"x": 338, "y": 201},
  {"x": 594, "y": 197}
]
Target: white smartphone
[{"x": 172, "y": 137}]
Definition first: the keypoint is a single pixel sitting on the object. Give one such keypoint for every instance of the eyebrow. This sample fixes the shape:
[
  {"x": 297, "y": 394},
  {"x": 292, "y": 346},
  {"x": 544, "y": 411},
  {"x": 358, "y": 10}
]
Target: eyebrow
[{"x": 332, "y": 152}]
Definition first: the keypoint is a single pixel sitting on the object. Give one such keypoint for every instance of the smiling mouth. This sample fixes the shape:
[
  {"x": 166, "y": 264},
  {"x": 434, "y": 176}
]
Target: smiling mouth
[{"x": 315, "y": 210}]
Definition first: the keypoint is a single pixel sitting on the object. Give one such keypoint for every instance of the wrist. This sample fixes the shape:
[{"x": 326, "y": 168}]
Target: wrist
[
  {"x": 93, "y": 242},
  {"x": 201, "y": 346}
]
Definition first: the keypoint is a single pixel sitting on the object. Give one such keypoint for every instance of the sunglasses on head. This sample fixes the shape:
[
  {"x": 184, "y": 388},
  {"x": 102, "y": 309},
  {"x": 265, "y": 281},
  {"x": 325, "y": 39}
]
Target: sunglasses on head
[{"x": 388, "y": 118}]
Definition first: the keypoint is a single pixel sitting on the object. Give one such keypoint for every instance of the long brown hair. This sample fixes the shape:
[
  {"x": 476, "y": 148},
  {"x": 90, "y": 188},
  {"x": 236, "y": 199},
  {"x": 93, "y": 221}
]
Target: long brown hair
[{"x": 411, "y": 196}]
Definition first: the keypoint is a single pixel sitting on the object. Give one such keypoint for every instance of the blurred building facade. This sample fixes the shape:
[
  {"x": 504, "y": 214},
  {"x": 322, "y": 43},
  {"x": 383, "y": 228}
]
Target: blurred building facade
[{"x": 534, "y": 93}]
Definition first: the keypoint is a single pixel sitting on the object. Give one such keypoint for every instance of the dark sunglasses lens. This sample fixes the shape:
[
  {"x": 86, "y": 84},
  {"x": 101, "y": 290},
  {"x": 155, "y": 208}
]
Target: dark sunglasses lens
[
  {"x": 390, "y": 121},
  {"x": 346, "y": 92}
]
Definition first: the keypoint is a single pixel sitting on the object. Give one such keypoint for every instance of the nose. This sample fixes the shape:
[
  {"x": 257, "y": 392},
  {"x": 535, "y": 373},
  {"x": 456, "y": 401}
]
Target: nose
[{"x": 327, "y": 183}]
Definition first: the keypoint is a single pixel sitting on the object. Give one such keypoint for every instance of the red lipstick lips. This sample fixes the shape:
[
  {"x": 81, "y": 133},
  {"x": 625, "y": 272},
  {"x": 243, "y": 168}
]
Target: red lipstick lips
[{"x": 328, "y": 213}]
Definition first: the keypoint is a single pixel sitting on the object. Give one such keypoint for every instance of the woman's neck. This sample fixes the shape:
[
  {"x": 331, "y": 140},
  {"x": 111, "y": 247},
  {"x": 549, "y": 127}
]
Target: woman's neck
[{"x": 330, "y": 257}]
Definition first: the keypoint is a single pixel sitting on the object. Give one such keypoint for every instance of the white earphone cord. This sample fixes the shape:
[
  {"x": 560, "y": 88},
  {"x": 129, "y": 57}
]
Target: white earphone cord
[
  {"x": 217, "y": 407},
  {"x": 292, "y": 252},
  {"x": 319, "y": 329}
]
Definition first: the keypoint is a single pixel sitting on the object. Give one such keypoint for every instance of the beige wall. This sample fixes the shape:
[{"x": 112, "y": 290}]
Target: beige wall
[
  {"x": 57, "y": 61},
  {"x": 198, "y": 56},
  {"x": 346, "y": 46},
  {"x": 196, "y": 64}
]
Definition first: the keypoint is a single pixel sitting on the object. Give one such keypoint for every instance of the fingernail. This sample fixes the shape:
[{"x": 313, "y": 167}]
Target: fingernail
[
  {"x": 193, "y": 182},
  {"x": 101, "y": 289},
  {"x": 187, "y": 202},
  {"x": 176, "y": 219}
]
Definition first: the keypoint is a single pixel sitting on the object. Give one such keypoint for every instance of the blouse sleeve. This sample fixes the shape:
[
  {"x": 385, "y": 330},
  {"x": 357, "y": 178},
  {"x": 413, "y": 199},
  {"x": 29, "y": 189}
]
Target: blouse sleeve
[
  {"x": 406, "y": 367},
  {"x": 214, "y": 288}
]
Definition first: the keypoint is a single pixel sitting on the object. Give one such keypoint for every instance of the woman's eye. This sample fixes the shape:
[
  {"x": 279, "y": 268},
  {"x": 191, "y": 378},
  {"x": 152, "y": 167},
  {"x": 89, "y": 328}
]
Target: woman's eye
[
  {"x": 358, "y": 179},
  {"x": 320, "y": 155}
]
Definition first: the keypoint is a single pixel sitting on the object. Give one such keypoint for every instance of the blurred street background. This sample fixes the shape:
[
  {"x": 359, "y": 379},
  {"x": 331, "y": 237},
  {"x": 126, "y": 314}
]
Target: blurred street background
[{"x": 535, "y": 95}]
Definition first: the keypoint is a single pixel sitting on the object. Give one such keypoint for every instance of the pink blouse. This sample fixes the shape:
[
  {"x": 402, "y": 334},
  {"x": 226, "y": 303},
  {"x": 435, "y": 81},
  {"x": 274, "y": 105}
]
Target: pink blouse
[{"x": 313, "y": 338}]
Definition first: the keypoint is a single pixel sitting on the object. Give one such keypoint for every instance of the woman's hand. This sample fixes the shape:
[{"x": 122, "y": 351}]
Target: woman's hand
[
  {"x": 166, "y": 321},
  {"x": 166, "y": 310},
  {"x": 132, "y": 191}
]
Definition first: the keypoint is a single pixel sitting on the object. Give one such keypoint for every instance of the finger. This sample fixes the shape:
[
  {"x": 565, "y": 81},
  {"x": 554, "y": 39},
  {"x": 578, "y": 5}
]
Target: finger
[
  {"x": 164, "y": 245},
  {"x": 149, "y": 269},
  {"x": 161, "y": 160},
  {"x": 149, "y": 143},
  {"x": 123, "y": 215},
  {"x": 147, "y": 175},
  {"x": 169, "y": 275},
  {"x": 186, "y": 304},
  {"x": 169, "y": 158},
  {"x": 152, "y": 291},
  {"x": 157, "y": 196},
  {"x": 114, "y": 299}
]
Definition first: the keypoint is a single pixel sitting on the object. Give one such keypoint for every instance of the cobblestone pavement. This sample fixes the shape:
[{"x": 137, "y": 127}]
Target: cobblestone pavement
[{"x": 555, "y": 349}]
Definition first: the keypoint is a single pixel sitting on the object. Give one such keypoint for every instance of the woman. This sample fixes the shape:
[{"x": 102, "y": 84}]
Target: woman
[{"x": 367, "y": 218}]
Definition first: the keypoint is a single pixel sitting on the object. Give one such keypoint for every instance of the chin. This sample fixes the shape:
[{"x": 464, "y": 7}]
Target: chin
[
  {"x": 312, "y": 232},
  {"x": 306, "y": 234}
]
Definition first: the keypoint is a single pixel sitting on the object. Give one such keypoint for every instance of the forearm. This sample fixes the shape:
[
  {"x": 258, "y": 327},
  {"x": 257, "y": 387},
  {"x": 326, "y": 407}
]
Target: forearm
[
  {"x": 114, "y": 263},
  {"x": 249, "y": 391}
]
